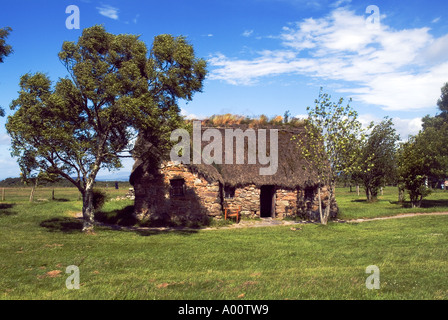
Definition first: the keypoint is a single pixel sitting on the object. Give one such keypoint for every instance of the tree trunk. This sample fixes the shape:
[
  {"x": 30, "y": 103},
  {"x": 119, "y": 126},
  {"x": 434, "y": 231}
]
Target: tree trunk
[
  {"x": 414, "y": 201},
  {"x": 328, "y": 206},
  {"x": 87, "y": 210},
  {"x": 368, "y": 194},
  {"x": 373, "y": 194},
  {"x": 32, "y": 190},
  {"x": 400, "y": 195},
  {"x": 320, "y": 204},
  {"x": 357, "y": 190}
]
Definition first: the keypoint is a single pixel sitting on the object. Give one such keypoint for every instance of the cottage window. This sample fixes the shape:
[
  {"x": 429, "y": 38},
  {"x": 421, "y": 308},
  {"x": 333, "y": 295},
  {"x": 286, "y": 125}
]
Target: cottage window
[
  {"x": 177, "y": 187},
  {"x": 229, "y": 192},
  {"x": 309, "y": 194}
]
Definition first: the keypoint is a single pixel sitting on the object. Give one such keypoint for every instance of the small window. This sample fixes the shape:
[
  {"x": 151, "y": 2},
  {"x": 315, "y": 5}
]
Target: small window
[
  {"x": 309, "y": 194},
  {"x": 177, "y": 187},
  {"x": 229, "y": 192}
]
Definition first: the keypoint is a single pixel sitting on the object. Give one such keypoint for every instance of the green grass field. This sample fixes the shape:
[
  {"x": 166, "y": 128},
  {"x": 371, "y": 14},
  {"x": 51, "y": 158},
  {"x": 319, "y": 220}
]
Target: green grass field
[
  {"x": 38, "y": 241},
  {"x": 352, "y": 206}
]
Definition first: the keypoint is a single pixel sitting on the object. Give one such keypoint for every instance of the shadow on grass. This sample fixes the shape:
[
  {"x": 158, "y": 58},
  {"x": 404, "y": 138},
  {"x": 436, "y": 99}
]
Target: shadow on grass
[
  {"x": 64, "y": 224},
  {"x": 121, "y": 217},
  {"x": 154, "y": 232},
  {"x": 359, "y": 200},
  {"x": 373, "y": 201},
  {"x": 4, "y": 209},
  {"x": 124, "y": 220},
  {"x": 425, "y": 203},
  {"x": 61, "y": 200}
]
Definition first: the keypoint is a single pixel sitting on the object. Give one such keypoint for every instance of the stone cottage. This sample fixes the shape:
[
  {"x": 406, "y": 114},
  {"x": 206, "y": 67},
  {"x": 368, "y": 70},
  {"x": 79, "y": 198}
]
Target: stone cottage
[{"x": 191, "y": 193}]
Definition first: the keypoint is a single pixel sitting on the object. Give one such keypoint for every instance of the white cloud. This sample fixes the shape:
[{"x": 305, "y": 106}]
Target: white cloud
[
  {"x": 436, "y": 20},
  {"x": 404, "y": 127},
  {"x": 435, "y": 53},
  {"x": 407, "y": 127},
  {"x": 108, "y": 11},
  {"x": 247, "y": 72},
  {"x": 395, "y": 69},
  {"x": 9, "y": 166},
  {"x": 190, "y": 116},
  {"x": 5, "y": 139},
  {"x": 339, "y": 3},
  {"x": 247, "y": 33},
  {"x": 135, "y": 20}
]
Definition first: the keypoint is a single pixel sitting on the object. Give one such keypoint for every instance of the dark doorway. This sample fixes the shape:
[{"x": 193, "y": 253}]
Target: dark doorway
[{"x": 267, "y": 202}]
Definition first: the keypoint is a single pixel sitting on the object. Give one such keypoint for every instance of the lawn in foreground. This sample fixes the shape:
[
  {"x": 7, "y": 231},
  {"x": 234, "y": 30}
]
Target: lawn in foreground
[{"x": 38, "y": 242}]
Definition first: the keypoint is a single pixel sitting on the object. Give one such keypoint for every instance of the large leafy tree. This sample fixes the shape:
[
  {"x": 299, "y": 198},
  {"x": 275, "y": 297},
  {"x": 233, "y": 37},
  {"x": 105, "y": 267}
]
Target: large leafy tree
[
  {"x": 5, "y": 50},
  {"x": 442, "y": 103},
  {"x": 116, "y": 89},
  {"x": 424, "y": 155},
  {"x": 441, "y": 118},
  {"x": 330, "y": 144},
  {"x": 376, "y": 160}
]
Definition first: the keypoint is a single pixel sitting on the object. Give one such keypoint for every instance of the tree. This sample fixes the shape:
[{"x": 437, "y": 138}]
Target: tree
[
  {"x": 413, "y": 171},
  {"x": 5, "y": 50},
  {"x": 441, "y": 118},
  {"x": 116, "y": 90},
  {"x": 30, "y": 173},
  {"x": 329, "y": 144},
  {"x": 376, "y": 161},
  {"x": 286, "y": 116},
  {"x": 423, "y": 156},
  {"x": 442, "y": 103}
]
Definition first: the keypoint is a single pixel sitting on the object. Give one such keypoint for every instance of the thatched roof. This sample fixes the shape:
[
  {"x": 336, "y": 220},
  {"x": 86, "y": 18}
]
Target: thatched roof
[{"x": 292, "y": 171}]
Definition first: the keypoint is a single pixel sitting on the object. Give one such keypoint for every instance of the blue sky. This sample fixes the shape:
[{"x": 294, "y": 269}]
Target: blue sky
[{"x": 264, "y": 56}]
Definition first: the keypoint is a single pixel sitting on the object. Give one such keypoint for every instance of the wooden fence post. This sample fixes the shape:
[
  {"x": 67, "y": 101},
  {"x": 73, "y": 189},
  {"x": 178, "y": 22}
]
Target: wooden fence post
[{"x": 3, "y": 194}]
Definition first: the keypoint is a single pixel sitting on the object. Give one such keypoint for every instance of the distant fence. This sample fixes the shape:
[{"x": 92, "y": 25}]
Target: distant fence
[{"x": 48, "y": 193}]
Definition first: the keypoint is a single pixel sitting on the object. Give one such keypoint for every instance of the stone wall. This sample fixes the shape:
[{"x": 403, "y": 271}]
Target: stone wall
[
  {"x": 288, "y": 203},
  {"x": 308, "y": 204},
  {"x": 246, "y": 198},
  {"x": 285, "y": 203},
  {"x": 203, "y": 198},
  {"x": 153, "y": 201}
]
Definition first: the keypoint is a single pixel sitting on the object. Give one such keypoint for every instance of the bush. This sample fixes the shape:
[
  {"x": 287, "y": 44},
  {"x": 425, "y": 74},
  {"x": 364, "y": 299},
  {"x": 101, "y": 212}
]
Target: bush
[
  {"x": 121, "y": 217},
  {"x": 99, "y": 199}
]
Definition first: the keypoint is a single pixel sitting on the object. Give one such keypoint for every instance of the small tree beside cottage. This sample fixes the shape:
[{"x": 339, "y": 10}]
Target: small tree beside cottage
[{"x": 330, "y": 144}]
